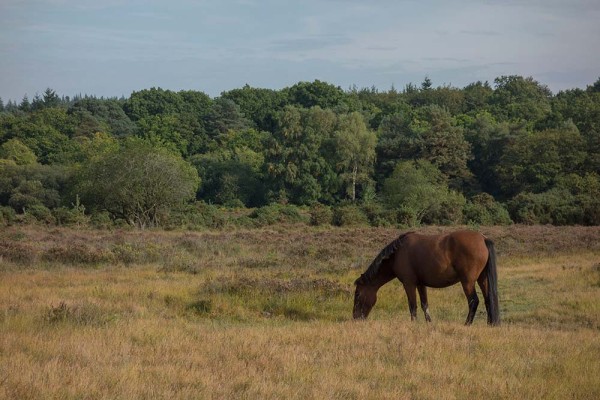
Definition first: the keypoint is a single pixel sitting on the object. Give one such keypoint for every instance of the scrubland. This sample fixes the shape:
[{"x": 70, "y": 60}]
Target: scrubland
[{"x": 266, "y": 313}]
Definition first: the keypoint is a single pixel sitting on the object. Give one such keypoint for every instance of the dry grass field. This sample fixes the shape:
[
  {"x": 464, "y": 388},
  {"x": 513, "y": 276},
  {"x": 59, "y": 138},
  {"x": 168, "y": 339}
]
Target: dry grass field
[{"x": 265, "y": 314}]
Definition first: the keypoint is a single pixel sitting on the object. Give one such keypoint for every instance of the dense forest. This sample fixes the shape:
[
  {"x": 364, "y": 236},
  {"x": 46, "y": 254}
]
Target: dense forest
[{"x": 484, "y": 154}]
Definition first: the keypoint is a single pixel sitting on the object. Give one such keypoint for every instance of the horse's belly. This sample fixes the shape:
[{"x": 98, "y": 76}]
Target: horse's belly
[{"x": 441, "y": 279}]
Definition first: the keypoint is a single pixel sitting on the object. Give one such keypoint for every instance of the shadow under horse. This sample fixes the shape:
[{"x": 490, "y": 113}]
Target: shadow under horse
[{"x": 437, "y": 261}]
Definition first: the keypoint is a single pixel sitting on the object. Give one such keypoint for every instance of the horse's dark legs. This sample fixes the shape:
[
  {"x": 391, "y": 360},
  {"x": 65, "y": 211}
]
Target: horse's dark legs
[
  {"x": 483, "y": 284},
  {"x": 423, "y": 296},
  {"x": 471, "y": 294},
  {"x": 411, "y": 294}
]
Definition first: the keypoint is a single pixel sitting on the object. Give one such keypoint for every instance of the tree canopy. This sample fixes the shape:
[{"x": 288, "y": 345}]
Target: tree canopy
[{"x": 435, "y": 154}]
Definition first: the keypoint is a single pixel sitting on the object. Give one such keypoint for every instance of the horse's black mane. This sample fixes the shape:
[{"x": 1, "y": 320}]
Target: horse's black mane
[{"x": 383, "y": 255}]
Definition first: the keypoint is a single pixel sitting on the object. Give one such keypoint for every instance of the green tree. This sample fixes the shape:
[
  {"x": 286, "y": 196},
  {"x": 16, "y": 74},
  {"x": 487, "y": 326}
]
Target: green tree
[
  {"x": 231, "y": 171},
  {"x": 316, "y": 93},
  {"x": 295, "y": 163},
  {"x": 93, "y": 115},
  {"x": 396, "y": 141},
  {"x": 520, "y": 99},
  {"x": 477, "y": 96},
  {"x": 25, "y": 105},
  {"x": 488, "y": 139},
  {"x": 583, "y": 108},
  {"x": 225, "y": 115},
  {"x": 46, "y": 131},
  {"x": 16, "y": 151},
  {"x": 50, "y": 98},
  {"x": 23, "y": 186},
  {"x": 259, "y": 105},
  {"x": 154, "y": 101},
  {"x": 535, "y": 161},
  {"x": 419, "y": 189},
  {"x": 443, "y": 144},
  {"x": 139, "y": 183},
  {"x": 354, "y": 152}
]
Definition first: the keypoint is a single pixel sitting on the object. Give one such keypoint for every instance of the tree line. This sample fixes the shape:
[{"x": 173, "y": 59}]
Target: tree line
[{"x": 485, "y": 154}]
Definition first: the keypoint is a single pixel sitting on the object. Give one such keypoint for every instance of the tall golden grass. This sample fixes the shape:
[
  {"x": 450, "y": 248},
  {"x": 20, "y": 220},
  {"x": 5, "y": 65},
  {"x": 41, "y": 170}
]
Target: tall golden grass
[{"x": 266, "y": 314}]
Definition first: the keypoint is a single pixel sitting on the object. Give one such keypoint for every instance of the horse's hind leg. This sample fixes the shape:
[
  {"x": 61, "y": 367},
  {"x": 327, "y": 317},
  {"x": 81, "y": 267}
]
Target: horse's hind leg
[
  {"x": 471, "y": 294},
  {"x": 483, "y": 284},
  {"x": 423, "y": 296}
]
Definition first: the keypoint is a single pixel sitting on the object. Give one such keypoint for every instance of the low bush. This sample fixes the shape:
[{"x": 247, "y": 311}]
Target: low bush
[
  {"x": 8, "y": 216},
  {"x": 41, "y": 214},
  {"x": 320, "y": 214},
  {"x": 484, "y": 210},
  {"x": 277, "y": 213},
  {"x": 378, "y": 215},
  {"x": 349, "y": 215},
  {"x": 556, "y": 206}
]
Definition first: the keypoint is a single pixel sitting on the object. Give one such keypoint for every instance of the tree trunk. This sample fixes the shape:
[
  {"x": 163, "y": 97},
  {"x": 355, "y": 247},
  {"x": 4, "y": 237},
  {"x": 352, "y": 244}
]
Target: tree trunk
[{"x": 354, "y": 174}]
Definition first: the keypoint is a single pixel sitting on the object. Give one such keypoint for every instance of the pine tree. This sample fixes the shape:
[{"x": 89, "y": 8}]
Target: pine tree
[{"x": 25, "y": 104}]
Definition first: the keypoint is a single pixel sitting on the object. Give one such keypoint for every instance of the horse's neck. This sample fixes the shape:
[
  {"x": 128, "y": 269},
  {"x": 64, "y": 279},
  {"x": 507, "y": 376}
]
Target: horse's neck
[{"x": 384, "y": 275}]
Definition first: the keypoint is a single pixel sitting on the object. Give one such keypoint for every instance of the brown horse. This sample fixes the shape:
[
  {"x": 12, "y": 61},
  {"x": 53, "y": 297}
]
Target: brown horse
[{"x": 421, "y": 261}]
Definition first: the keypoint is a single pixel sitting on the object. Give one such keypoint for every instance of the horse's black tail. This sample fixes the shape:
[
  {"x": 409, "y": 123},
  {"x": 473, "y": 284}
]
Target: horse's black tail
[{"x": 492, "y": 277}]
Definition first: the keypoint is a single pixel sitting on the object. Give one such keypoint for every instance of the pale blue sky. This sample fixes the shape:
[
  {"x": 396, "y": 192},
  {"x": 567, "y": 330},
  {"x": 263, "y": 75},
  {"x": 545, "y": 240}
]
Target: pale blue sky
[{"x": 113, "y": 47}]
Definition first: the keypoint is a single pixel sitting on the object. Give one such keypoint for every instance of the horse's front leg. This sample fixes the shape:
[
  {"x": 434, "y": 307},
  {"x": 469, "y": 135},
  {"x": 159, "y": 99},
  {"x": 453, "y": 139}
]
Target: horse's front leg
[
  {"x": 411, "y": 294},
  {"x": 424, "y": 306}
]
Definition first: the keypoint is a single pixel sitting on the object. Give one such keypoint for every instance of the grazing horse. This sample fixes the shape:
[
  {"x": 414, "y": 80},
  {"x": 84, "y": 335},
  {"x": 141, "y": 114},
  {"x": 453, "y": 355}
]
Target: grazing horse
[{"x": 438, "y": 261}]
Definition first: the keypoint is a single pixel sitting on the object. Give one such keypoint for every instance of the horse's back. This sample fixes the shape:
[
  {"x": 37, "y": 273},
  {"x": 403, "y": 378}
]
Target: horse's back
[{"x": 443, "y": 260}]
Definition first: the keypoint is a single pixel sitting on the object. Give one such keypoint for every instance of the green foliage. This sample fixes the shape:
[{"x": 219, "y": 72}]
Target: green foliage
[
  {"x": 483, "y": 209},
  {"x": 520, "y": 99},
  {"x": 295, "y": 163},
  {"x": 22, "y": 186},
  {"x": 354, "y": 152},
  {"x": 533, "y": 162},
  {"x": 45, "y": 132},
  {"x": 41, "y": 214},
  {"x": 257, "y": 104},
  {"x": 314, "y": 142},
  {"x": 224, "y": 116},
  {"x": 379, "y": 215},
  {"x": 139, "y": 183},
  {"x": 197, "y": 216},
  {"x": 320, "y": 214},
  {"x": 232, "y": 170},
  {"x": 556, "y": 206},
  {"x": 575, "y": 200},
  {"x": 7, "y": 216},
  {"x": 15, "y": 150},
  {"x": 421, "y": 191},
  {"x": 396, "y": 141},
  {"x": 317, "y": 93},
  {"x": 586, "y": 192},
  {"x": 277, "y": 213},
  {"x": 349, "y": 215},
  {"x": 101, "y": 220},
  {"x": 92, "y": 115},
  {"x": 443, "y": 143}
]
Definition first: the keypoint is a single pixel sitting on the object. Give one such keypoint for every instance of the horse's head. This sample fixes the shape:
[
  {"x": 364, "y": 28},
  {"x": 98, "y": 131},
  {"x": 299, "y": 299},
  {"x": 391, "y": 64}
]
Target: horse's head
[{"x": 365, "y": 297}]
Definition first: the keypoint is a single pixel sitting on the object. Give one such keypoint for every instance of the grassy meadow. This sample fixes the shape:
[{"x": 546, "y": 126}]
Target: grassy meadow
[{"x": 266, "y": 314}]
